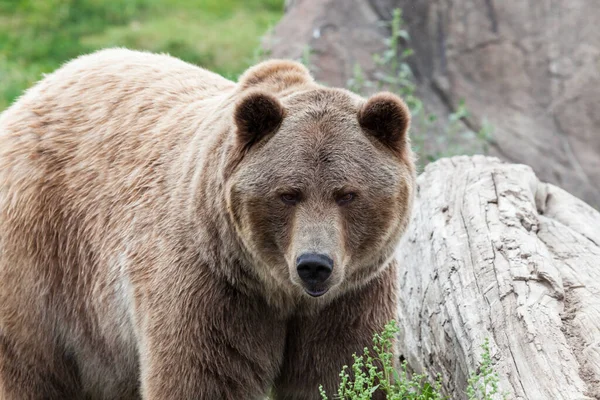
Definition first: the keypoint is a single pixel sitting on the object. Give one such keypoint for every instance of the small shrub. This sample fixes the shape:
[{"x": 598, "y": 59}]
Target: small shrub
[
  {"x": 372, "y": 372},
  {"x": 483, "y": 384}
]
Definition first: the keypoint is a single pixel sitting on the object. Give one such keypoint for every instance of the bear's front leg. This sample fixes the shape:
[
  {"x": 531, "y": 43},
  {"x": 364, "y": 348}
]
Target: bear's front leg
[
  {"x": 318, "y": 346},
  {"x": 202, "y": 339}
]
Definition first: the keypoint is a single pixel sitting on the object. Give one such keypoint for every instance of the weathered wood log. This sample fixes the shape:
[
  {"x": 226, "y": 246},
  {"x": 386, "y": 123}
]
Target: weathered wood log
[{"x": 494, "y": 253}]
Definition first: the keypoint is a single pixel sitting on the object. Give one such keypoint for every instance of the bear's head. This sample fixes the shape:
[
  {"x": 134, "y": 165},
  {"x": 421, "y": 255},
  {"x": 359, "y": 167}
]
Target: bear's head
[{"x": 321, "y": 180}]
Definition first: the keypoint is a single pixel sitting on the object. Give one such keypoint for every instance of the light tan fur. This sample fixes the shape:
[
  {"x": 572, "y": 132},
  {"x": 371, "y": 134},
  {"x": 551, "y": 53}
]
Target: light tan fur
[{"x": 144, "y": 249}]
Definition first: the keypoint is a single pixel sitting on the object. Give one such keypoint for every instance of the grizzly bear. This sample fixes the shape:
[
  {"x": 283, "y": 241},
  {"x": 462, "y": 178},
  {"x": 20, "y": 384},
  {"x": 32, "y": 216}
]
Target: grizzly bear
[{"x": 166, "y": 233}]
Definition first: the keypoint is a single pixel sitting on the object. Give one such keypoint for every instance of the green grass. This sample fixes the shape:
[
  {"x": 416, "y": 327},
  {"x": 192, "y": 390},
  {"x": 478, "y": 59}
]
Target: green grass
[{"x": 37, "y": 36}]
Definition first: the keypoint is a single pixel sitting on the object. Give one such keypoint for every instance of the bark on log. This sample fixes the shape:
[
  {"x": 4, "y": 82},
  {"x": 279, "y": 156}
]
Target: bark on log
[{"x": 494, "y": 253}]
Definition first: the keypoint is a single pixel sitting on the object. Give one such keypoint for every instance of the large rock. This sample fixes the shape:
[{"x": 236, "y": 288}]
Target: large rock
[{"x": 531, "y": 68}]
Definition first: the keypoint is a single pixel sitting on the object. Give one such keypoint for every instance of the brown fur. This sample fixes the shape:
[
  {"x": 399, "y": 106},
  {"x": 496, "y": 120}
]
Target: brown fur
[{"x": 144, "y": 247}]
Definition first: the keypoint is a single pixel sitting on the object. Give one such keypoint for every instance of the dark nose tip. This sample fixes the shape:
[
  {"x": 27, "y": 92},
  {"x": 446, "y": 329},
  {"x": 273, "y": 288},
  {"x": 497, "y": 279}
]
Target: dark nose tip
[{"x": 314, "y": 268}]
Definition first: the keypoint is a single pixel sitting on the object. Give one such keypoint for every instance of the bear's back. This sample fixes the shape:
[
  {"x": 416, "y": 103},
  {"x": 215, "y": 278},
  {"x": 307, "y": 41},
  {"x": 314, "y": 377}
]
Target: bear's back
[
  {"x": 108, "y": 104},
  {"x": 100, "y": 127}
]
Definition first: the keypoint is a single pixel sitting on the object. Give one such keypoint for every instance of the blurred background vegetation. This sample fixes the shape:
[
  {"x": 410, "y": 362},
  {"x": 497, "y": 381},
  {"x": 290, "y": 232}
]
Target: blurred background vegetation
[{"x": 37, "y": 36}]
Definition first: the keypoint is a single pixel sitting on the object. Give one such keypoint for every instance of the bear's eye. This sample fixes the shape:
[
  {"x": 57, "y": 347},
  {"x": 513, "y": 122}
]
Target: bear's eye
[
  {"x": 345, "y": 198},
  {"x": 290, "y": 198}
]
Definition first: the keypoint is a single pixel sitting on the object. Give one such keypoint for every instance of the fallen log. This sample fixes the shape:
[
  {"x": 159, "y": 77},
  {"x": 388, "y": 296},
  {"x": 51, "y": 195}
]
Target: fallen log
[{"x": 494, "y": 253}]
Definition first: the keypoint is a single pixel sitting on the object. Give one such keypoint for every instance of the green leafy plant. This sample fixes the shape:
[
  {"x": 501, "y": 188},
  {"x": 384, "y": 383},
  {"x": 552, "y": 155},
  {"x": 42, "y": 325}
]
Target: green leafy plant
[
  {"x": 374, "y": 370},
  {"x": 395, "y": 74},
  {"x": 483, "y": 384}
]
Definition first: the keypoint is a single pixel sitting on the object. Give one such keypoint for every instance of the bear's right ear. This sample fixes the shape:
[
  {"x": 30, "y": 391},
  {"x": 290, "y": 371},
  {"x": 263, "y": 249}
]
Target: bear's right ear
[
  {"x": 257, "y": 115},
  {"x": 387, "y": 118}
]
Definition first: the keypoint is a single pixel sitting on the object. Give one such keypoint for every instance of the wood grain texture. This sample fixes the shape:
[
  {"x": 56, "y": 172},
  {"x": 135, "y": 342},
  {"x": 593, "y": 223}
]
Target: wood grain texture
[{"x": 494, "y": 253}]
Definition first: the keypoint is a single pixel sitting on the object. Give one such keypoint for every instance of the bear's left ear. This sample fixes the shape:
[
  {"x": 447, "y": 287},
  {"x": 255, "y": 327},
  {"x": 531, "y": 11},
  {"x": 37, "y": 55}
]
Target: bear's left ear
[
  {"x": 386, "y": 117},
  {"x": 257, "y": 115}
]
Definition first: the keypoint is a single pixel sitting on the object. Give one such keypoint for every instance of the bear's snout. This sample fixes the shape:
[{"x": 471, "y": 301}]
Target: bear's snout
[{"x": 314, "y": 269}]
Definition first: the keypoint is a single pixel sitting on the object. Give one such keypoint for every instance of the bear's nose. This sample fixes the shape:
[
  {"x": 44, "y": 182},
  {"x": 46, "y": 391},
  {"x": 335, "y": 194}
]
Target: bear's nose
[{"x": 314, "y": 269}]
